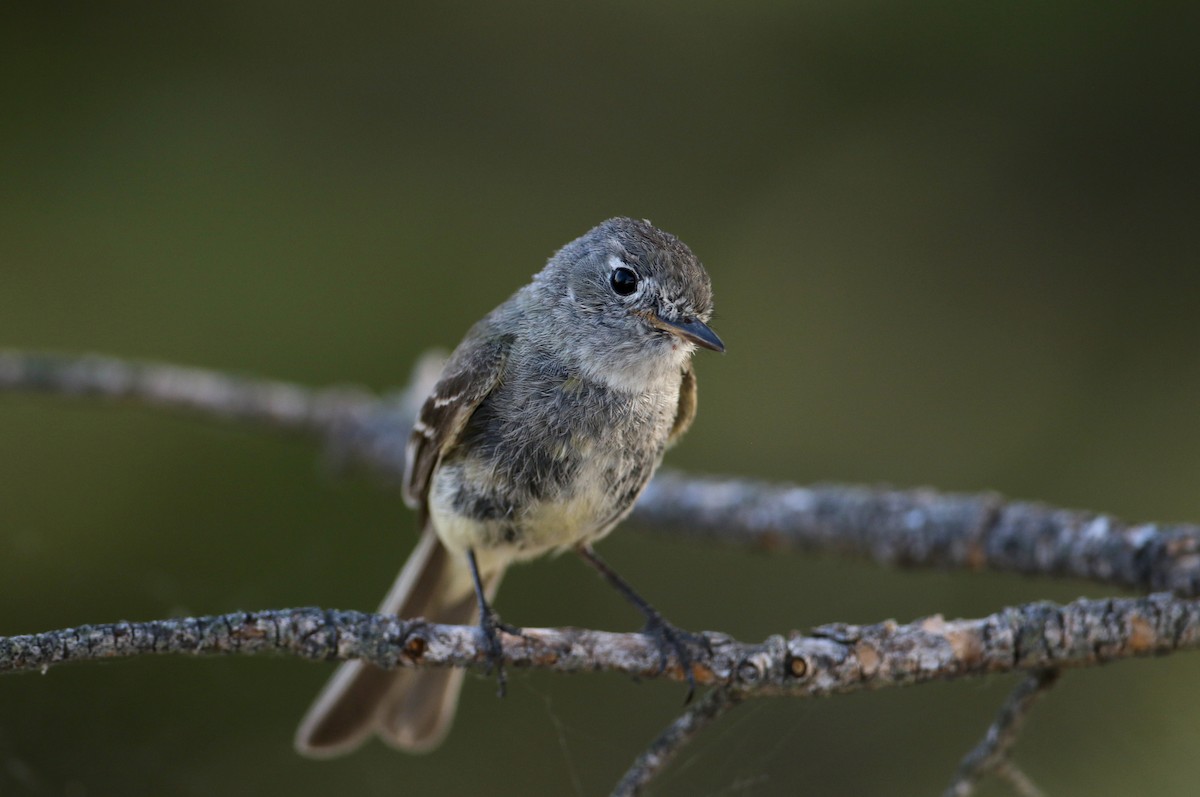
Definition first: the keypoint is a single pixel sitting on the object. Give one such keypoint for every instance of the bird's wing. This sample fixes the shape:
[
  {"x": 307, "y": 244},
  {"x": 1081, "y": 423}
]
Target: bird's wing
[
  {"x": 686, "y": 411},
  {"x": 474, "y": 370}
]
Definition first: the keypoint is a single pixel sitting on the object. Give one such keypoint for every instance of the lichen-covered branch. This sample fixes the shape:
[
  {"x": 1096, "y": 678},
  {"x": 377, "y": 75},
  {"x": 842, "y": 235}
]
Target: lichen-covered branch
[
  {"x": 926, "y": 528},
  {"x": 897, "y": 527},
  {"x": 830, "y": 659},
  {"x": 992, "y": 752}
]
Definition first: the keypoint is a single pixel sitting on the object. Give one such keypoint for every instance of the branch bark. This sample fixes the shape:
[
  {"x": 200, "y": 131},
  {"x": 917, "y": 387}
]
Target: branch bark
[
  {"x": 830, "y": 659},
  {"x": 833, "y": 659},
  {"x": 209, "y": 393},
  {"x": 925, "y": 528}
]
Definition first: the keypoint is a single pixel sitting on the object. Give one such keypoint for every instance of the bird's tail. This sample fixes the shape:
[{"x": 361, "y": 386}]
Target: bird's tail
[{"x": 410, "y": 709}]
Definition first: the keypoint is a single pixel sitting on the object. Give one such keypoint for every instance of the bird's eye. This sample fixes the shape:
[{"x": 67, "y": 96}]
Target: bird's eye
[{"x": 624, "y": 281}]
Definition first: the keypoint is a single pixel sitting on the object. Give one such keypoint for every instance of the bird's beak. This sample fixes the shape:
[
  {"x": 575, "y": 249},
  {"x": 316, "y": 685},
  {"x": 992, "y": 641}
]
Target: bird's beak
[{"x": 693, "y": 330}]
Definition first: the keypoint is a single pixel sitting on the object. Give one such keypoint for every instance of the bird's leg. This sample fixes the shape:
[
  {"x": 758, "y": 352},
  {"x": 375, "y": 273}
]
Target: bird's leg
[
  {"x": 670, "y": 638},
  {"x": 490, "y": 624}
]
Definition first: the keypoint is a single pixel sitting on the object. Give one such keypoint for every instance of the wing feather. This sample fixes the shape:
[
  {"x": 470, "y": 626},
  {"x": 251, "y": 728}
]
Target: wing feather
[{"x": 474, "y": 370}]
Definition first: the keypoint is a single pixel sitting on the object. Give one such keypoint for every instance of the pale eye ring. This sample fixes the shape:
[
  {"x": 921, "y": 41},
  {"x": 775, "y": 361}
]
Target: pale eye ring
[{"x": 624, "y": 280}]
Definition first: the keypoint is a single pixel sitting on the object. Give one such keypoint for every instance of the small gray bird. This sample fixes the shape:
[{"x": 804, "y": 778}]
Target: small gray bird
[{"x": 547, "y": 423}]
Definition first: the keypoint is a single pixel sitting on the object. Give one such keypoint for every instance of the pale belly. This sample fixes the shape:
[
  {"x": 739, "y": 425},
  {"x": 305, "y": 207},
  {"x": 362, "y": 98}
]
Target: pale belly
[{"x": 586, "y": 510}]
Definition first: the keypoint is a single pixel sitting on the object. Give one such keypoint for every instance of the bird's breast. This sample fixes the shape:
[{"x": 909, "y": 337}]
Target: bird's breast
[{"x": 548, "y": 464}]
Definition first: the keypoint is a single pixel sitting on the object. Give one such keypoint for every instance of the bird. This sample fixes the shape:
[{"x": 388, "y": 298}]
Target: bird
[{"x": 548, "y": 421}]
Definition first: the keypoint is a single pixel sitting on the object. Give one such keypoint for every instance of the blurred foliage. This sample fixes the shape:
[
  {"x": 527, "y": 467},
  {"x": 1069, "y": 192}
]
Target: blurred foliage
[{"x": 952, "y": 244}]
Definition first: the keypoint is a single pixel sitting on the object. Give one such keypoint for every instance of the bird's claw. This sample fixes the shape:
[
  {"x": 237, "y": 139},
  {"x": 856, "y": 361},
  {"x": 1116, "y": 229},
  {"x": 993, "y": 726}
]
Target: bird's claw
[
  {"x": 490, "y": 626},
  {"x": 672, "y": 639}
]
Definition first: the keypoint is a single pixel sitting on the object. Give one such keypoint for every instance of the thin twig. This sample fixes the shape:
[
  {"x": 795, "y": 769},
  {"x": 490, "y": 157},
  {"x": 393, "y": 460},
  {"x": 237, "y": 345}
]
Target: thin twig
[
  {"x": 1018, "y": 780},
  {"x": 992, "y": 752},
  {"x": 912, "y": 528},
  {"x": 663, "y": 749}
]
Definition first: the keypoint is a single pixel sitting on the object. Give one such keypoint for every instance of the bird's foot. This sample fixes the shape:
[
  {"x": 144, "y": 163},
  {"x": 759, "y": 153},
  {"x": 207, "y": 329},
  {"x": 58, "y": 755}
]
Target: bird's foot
[
  {"x": 491, "y": 625},
  {"x": 683, "y": 644}
]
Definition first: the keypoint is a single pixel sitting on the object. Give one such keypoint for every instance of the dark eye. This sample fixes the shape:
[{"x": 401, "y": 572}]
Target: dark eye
[{"x": 624, "y": 281}]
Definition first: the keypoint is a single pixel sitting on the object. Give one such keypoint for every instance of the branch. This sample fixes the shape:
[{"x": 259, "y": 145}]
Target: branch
[
  {"x": 991, "y": 754},
  {"x": 835, "y": 659},
  {"x": 660, "y": 752},
  {"x": 924, "y": 528},
  {"x": 211, "y": 393},
  {"x": 911, "y": 528},
  {"x": 831, "y": 659}
]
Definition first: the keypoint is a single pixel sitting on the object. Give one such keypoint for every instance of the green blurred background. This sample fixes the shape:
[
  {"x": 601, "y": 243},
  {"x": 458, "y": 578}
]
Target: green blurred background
[{"x": 953, "y": 244}]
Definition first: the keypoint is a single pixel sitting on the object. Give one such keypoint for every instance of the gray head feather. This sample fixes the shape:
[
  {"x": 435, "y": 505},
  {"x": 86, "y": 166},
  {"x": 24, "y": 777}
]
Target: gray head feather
[{"x": 614, "y": 337}]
